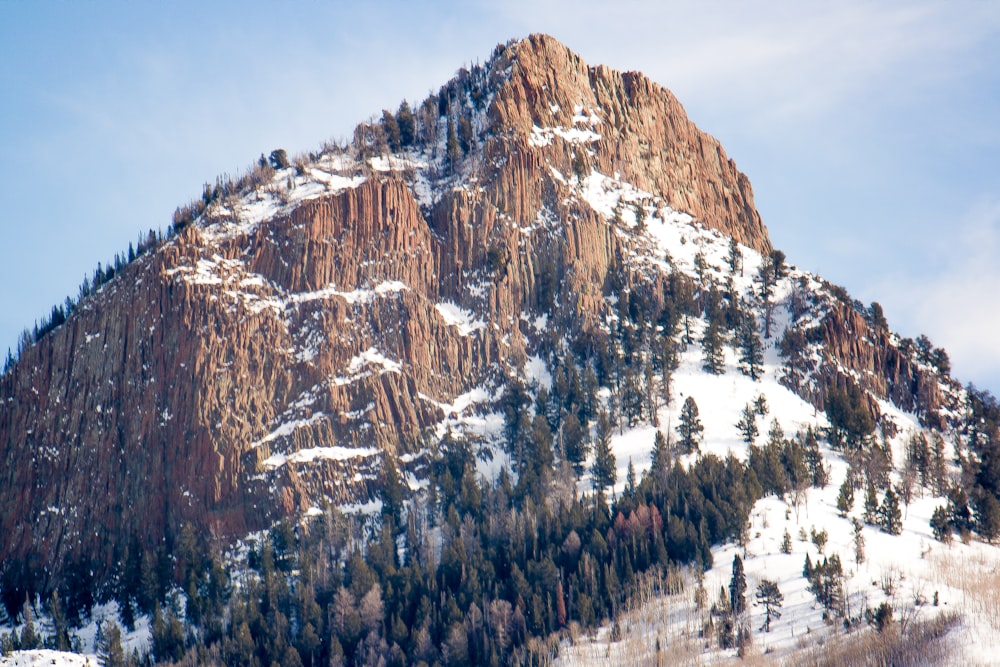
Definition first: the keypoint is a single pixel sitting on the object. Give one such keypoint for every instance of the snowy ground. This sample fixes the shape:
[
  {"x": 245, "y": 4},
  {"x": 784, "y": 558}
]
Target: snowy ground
[
  {"x": 48, "y": 659},
  {"x": 908, "y": 570}
]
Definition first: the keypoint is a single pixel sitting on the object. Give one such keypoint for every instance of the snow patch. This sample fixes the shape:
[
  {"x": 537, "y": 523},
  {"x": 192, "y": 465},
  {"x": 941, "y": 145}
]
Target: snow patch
[
  {"x": 462, "y": 319},
  {"x": 319, "y": 454}
]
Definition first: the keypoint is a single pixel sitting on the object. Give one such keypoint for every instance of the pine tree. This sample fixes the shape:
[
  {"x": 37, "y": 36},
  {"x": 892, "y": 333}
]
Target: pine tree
[
  {"x": 392, "y": 493},
  {"x": 407, "y": 124},
  {"x": 109, "y": 645},
  {"x": 59, "y": 624},
  {"x": 940, "y": 525},
  {"x": 814, "y": 459},
  {"x": 391, "y": 129},
  {"x": 786, "y": 543},
  {"x": 890, "y": 518},
  {"x": 29, "y": 638},
  {"x": 660, "y": 459},
  {"x": 603, "y": 472},
  {"x": 712, "y": 348},
  {"x": 760, "y": 405},
  {"x": 689, "y": 427},
  {"x": 769, "y": 595},
  {"x": 859, "y": 542},
  {"x": 630, "y": 480},
  {"x": 938, "y": 465},
  {"x": 845, "y": 499},
  {"x": 747, "y": 425},
  {"x": 453, "y": 150},
  {"x": 987, "y": 514},
  {"x": 574, "y": 442},
  {"x": 871, "y": 505},
  {"x": 751, "y": 348},
  {"x": 735, "y": 257},
  {"x": 737, "y": 588}
]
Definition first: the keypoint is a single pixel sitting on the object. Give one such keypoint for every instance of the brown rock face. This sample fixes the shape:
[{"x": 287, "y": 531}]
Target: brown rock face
[
  {"x": 878, "y": 364},
  {"x": 645, "y": 136},
  {"x": 245, "y": 371}
]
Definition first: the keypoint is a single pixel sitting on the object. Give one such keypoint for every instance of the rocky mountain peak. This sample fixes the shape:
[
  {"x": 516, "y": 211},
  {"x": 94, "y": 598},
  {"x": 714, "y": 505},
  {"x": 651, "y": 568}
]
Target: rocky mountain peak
[
  {"x": 326, "y": 316},
  {"x": 629, "y": 125}
]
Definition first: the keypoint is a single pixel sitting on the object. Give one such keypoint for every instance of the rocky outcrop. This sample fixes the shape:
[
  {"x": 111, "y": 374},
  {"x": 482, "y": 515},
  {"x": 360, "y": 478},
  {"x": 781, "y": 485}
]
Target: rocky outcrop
[
  {"x": 855, "y": 350},
  {"x": 645, "y": 135}
]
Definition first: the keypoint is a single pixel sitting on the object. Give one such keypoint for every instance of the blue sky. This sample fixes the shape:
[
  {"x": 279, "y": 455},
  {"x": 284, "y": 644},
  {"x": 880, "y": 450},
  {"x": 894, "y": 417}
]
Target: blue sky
[{"x": 869, "y": 130}]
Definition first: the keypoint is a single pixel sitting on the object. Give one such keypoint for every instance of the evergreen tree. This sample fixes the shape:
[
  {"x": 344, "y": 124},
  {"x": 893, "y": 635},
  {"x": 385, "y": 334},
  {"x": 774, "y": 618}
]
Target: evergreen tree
[
  {"x": 517, "y": 421},
  {"x": 940, "y": 525},
  {"x": 760, "y": 405},
  {"x": 689, "y": 427},
  {"x": 845, "y": 499},
  {"x": 580, "y": 169},
  {"x": 29, "y": 637},
  {"x": 890, "y": 518},
  {"x": 59, "y": 623},
  {"x": 603, "y": 472},
  {"x": 814, "y": 459},
  {"x": 747, "y": 425},
  {"x": 735, "y": 257},
  {"x": 453, "y": 150},
  {"x": 987, "y": 514},
  {"x": 794, "y": 460},
  {"x": 660, "y": 459},
  {"x": 850, "y": 420},
  {"x": 737, "y": 588},
  {"x": 870, "y": 514},
  {"x": 632, "y": 397},
  {"x": 751, "y": 348},
  {"x": 407, "y": 124},
  {"x": 466, "y": 136},
  {"x": 938, "y": 464},
  {"x": 574, "y": 439},
  {"x": 859, "y": 541},
  {"x": 958, "y": 504},
  {"x": 712, "y": 348},
  {"x": 109, "y": 645},
  {"x": 630, "y": 480},
  {"x": 391, "y": 490},
  {"x": 786, "y": 543},
  {"x": 769, "y": 595},
  {"x": 391, "y": 129}
]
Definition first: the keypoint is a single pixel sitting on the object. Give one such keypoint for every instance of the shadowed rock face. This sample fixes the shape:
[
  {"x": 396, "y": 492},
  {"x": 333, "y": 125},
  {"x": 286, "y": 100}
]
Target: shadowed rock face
[{"x": 242, "y": 372}]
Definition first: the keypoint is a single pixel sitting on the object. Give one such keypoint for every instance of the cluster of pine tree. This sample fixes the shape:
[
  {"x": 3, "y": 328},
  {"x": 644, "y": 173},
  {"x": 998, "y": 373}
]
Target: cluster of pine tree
[{"x": 89, "y": 285}]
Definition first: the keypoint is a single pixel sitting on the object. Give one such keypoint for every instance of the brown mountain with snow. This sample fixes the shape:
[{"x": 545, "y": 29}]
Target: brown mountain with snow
[{"x": 265, "y": 359}]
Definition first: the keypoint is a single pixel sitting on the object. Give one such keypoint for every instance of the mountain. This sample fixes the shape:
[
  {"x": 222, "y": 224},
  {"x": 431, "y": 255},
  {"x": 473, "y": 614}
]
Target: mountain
[{"x": 307, "y": 334}]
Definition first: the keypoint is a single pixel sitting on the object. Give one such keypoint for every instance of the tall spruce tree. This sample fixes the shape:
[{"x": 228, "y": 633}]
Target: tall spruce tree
[
  {"x": 738, "y": 588},
  {"x": 870, "y": 514},
  {"x": 712, "y": 348},
  {"x": 689, "y": 427},
  {"x": 845, "y": 498},
  {"x": 603, "y": 471},
  {"x": 751, "y": 349},
  {"x": 890, "y": 518},
  {"x": 747, "y": 425}
]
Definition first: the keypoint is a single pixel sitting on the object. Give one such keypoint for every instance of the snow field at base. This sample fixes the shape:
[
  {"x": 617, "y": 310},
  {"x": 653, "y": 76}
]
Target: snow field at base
[
  {"x": 139, "y": 639},
  {"x": 47, "y": 658}
]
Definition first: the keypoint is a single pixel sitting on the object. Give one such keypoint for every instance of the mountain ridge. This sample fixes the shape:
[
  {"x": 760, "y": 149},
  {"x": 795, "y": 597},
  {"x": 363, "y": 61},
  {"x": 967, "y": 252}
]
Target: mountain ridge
[{"x": 294, "y": 336}]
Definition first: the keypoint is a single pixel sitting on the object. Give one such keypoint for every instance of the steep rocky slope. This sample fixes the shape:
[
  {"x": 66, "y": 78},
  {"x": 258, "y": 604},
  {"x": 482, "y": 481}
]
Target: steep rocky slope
[{"x": 267, "y": 358}]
